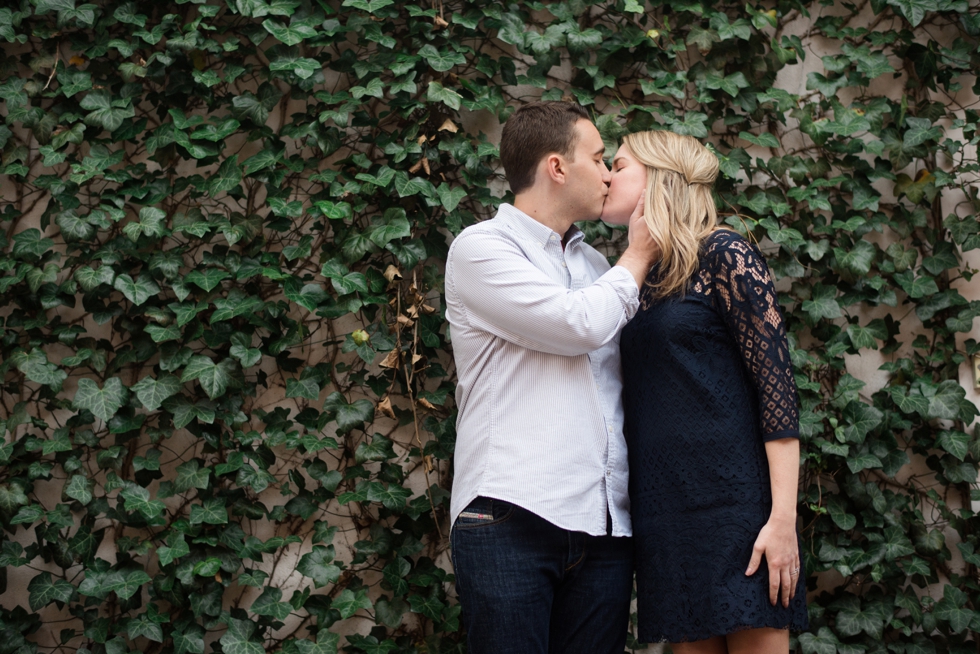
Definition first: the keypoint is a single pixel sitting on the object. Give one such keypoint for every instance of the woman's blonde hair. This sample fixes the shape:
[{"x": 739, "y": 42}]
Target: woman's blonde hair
[{"x": 679, "y": 207}]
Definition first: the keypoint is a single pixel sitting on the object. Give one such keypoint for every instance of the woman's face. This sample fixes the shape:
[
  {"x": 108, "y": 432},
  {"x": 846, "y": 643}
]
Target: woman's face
[{"x": 629, "y": 178}]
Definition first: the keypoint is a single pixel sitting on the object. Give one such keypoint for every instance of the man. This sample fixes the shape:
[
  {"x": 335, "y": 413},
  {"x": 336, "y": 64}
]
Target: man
[{"x": 540, "y": 539}]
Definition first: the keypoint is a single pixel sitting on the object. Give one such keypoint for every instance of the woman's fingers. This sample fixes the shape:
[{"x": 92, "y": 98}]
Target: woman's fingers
[
  {"x": 794, "y": 578},
  {"x": 757, "y": 551},
  {"x": 788, "y": 582}
]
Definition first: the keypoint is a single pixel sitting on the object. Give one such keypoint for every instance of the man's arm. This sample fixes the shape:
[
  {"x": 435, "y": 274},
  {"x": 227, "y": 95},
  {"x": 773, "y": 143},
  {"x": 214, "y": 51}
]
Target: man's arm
[{"x": 499, "y": 291}]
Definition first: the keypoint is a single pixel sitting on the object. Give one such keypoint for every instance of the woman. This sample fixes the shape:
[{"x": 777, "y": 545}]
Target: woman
[{"x": 712, "y": 422}]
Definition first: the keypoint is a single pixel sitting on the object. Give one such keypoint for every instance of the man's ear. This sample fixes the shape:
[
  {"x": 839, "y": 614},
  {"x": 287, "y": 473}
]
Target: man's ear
[{"x": 554, "y": 167}]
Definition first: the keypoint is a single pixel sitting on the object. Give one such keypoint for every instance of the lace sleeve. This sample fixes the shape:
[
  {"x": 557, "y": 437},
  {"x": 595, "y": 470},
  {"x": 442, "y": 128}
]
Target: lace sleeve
[{"x": 745, "y": 296}]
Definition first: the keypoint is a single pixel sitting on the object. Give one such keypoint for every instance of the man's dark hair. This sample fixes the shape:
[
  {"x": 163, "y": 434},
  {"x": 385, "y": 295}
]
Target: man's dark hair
[{"x": 535, "y": 131}]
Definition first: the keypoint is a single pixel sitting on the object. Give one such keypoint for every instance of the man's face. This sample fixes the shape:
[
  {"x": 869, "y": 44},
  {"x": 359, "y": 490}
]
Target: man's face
[{"x": 587, "y": 179}]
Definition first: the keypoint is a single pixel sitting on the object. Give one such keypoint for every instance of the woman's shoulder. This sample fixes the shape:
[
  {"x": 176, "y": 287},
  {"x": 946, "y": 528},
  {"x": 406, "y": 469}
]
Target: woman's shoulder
[{"x": 727, "y": 244}]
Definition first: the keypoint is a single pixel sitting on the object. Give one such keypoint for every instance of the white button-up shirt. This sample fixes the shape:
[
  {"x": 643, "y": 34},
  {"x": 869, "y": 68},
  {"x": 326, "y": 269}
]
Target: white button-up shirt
[{"x": 535, "y": 334}]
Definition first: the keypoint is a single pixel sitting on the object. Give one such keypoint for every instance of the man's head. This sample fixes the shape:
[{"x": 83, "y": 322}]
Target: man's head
[
  {"x": 534, "y": 131},
  {"x": 554, "y": 146}
]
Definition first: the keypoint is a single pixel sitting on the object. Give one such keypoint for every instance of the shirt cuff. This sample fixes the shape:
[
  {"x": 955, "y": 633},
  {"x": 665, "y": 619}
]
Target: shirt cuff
[{"x": 625, "y": 286}]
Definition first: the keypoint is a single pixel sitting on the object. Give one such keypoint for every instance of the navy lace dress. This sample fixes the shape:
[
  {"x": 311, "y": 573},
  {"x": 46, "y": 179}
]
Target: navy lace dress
[{"x": 707, "y": 381}]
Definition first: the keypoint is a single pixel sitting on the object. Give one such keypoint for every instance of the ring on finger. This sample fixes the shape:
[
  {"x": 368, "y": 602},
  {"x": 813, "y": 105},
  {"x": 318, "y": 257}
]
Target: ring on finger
[{"x": 795, "y": 572}]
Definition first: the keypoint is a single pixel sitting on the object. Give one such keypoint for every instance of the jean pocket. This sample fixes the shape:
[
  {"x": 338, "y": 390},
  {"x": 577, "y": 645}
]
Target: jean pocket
[{"x": 482, "y": 512}]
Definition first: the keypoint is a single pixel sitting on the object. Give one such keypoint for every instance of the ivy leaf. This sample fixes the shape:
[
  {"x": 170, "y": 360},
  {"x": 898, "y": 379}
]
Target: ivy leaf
[
  {"x": 136, "y": 291},
  {"x": 152, "y": 392},
  {"x": 823, "y": 304},
  {"x": 853, "y": 618},
  {"x": 42, "y": 590},
  {"x": 318, "y": 566},
  {"x": 191, "y": 475},
  {"x": 207, "y": 280},
  {"x": 764, "y": 139},
  {"x": 212, "y": 512},
  {"x": 190, "y": 640},
  {"x": 105, "y": 111},
  {"x": 213, "y": 377},
  {"x": 37, "y": 368},
  {"x": 956, "y": 443},
  {"x": 392, "y": 496},
  {"x": 79, "y": 487},
  {"x": 824, "y": 642},
  {"x": 450, "y": 196},
  {"x": 951, "y": 609},
  {"x": 269, "y": 604},
  {"x": 177, "y": 549},
  {"x": 307, "y": 388},
  {"x": 228, "y": 176},
  {"x": 438, "y": 93},
  {"x": 913, "y": 10},
  {"x": 138, "y": 499},
  {"x": 348, "y": 416},
  {"x": 102, "y": 402},
  {"x": 348, "y": 602},
  {"x": 237, "y": 640},
  {"x": 30, "y": 242}
]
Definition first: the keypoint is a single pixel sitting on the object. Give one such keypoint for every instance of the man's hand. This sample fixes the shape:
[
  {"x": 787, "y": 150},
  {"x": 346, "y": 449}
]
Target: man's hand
[{"x": 643, "y": 251}]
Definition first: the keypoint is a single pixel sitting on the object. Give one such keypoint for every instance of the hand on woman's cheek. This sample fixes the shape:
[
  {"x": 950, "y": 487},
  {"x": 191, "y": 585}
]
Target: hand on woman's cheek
[{"x": 627, "y": 184}]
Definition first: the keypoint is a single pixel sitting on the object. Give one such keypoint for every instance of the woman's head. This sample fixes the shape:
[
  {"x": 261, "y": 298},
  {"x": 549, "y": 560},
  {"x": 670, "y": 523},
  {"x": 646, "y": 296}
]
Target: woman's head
[{"x": 679, "y": 209}]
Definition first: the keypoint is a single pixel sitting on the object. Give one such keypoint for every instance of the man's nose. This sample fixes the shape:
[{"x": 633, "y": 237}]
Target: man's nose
[{"x": 606, "y": 175}]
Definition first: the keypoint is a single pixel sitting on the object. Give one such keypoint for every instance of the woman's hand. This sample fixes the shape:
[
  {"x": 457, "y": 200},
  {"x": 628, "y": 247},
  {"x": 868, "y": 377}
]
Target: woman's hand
[{"x": 777, "y": 540}]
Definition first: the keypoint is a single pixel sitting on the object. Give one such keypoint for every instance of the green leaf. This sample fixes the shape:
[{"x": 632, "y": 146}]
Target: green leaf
[
  {"x": 208, "y": 280},
  {"x": 74, "y": 228},
  {"x": 102, "y": 402},
  {"x": 269, "y": 604},
  {"x": 152, "y": 392},
  {"x": 348, "y": 416},
  {"x": 213, "y": 377},
  {"x": 79, "y": 487},
  {"x": 136, "y": 291},
  {"x": 348, "y": 602},
  {"x": 438, "y": 93},
  {"x": 326, "y": 643},
  {"x": 30, "y": 243},
  {"x": 212, "y": 512},
  {"x": 289, "y": 34},
  {"x": 956, "y": 443},
  {"x": 237, "y": 640},
  {"x": 823, "y": 304},
  {"x": 318, "y": 566},
  {"x": 177, "y": 549},
  {"x": 228, "y": 176},
  {"x": 450, "y": 196},
  {"x": 913, "y": 10},
  {"x": 138, "y": 499},
  {"x": 37, "y": 368},
  {"x": 765, "y": 139},
  {"x": 42, "y": 590},
  {"x": 191, "y": 475}
]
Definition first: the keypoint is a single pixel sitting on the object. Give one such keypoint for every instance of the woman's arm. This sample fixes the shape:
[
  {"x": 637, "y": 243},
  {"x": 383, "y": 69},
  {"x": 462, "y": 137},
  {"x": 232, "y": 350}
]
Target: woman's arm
[
  {"x": 746, "y": 297},
  {"x": 777, "y": 539}
]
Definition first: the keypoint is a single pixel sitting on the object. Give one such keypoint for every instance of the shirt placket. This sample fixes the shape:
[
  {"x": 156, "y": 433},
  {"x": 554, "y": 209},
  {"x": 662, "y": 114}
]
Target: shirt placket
[{"x": 578, "y": 276}]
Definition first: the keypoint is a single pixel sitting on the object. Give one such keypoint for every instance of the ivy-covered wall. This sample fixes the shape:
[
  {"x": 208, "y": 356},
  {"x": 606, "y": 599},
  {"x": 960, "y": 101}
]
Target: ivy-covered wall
[{"x": 227, "y": 383}]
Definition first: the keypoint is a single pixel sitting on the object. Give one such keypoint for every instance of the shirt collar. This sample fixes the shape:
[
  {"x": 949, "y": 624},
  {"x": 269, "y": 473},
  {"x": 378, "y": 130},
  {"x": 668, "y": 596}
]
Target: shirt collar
[{"x": 532, "y": 229}]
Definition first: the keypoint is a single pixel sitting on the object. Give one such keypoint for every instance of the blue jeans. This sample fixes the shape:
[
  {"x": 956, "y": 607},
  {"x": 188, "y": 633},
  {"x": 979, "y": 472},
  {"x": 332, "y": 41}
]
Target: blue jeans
[{"x": 529, "y": 587}]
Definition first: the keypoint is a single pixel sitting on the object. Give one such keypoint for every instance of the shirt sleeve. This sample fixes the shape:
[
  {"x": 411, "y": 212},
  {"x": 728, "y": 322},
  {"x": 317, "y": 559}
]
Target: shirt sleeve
[
  {"x": 498, "y": 290},
  {"x": 746, "y": 298}
]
